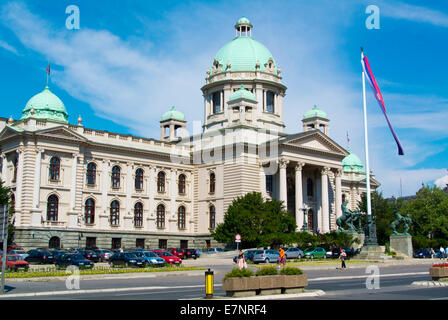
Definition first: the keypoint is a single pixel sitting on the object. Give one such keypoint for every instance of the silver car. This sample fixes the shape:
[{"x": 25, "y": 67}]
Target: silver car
[
  {"x": 266, "y": 256},
  {"x": 20, "y": 253},
  {"x": 294, "y": 253}
]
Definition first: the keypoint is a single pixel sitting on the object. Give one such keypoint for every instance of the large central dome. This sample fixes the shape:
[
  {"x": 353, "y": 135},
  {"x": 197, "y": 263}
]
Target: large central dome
[{"x": 243, "y": 53}]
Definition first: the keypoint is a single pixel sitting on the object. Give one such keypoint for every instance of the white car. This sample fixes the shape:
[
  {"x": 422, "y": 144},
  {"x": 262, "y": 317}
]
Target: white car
[{"x": 20, "y": 253}]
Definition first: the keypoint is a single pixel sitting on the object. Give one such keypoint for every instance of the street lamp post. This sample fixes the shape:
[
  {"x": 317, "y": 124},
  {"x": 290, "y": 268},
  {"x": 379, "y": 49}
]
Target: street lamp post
[{"x": 305, "y": 225}]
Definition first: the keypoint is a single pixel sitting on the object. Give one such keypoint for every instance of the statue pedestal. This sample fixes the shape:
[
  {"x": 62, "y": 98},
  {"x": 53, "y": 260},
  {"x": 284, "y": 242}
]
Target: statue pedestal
[
  {"x": 359, "y": 236},
  {"x": 373, "y": 253},
  {"x": 402, "y": 244}
]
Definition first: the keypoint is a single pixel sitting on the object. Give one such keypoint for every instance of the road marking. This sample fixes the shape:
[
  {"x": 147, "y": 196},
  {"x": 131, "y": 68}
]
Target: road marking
[{"x": 365, "y": 276}]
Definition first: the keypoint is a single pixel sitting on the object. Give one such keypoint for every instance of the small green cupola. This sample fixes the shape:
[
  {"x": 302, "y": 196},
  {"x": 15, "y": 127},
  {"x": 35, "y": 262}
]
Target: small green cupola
[
  {"x": 316, "y": 119},
  {"x": 172, "y": 125},
  {"x": 45, "y": 106},
  {"x": 352, "y": 163}
]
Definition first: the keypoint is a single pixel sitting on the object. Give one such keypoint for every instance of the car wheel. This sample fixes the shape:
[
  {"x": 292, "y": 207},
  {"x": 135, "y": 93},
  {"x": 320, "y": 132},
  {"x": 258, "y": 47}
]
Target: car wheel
[
  {"x": 111, "y": 264},
  {"x": 325, "y": 256},
  {"x": 299, "y": 256},
  {"x": 267, "y": 260},
  {"x": 126, "y": 265},
  {"x": 312, "y": 256}
]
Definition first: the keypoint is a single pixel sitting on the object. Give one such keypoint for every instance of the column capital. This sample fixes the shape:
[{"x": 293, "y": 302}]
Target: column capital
[
  {"x": 338, "y": 173},
  {"x": 282, "y": 162},
  {"x": 324, "y": 171},
  {"x": 299, "y": 166}
]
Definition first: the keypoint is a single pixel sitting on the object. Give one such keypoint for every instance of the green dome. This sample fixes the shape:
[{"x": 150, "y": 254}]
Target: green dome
[
  {"x": 244, "y": 53},
  {"x": 243, "y": 20},
  {"x": 173, "y": 114},
  {"x": 46, "y": 106},
  {"x": 242, "y": 93},
  {"x": 352, "y": 163},
  {"x": 315, "y": 112}
]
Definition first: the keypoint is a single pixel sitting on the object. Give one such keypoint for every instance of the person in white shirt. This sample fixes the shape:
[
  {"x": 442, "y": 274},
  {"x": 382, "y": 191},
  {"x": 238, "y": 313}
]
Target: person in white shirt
[{"x": 442, "y": 253}]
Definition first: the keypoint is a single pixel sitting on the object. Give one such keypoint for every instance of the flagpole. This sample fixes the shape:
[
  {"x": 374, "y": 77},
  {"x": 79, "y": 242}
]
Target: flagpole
[{"x": 366, "y": 142}]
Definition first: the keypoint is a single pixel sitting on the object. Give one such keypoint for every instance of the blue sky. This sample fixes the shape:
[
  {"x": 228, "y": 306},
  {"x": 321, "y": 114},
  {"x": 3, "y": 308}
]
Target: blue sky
[{"x": 131, "y": 61}]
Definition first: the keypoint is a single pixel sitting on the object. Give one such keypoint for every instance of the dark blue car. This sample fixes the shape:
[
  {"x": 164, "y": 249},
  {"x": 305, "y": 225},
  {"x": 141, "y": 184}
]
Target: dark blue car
[
  {"x": 126, "y": 259},
  {"x": 73, "y": 259},
  {"x": 425, "y": 253}
]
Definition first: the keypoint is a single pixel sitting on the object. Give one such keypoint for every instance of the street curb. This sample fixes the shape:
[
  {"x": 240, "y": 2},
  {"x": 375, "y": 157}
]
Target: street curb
[
  {"x": 309, "y": 294},
  {"x": 430, "y": 283},
  {"x": 112, "y": 276}
]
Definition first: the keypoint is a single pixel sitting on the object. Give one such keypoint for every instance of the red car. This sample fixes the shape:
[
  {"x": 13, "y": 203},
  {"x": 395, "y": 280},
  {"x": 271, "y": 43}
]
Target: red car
[
  {"x": 14, "y": 263},
  {"x": 13, "y": 247},
  {"x": 168, "y": 257},
  {"x": 180, "y": 253}
]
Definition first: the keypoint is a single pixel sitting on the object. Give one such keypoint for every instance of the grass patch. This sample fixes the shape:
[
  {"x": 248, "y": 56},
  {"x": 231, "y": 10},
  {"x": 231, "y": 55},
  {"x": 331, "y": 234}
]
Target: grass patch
[{"x": 53, "y": 272}]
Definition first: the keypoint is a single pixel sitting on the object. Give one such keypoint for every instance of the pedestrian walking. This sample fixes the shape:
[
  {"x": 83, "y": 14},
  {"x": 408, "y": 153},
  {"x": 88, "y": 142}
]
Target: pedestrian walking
[
  {"x": 241, "y": 260},
  {"x": 442, "y": 253},
  {"x": 281, "y": 258},
  {"x": 432, "y": 252},
  {"x": 342, "y": 256}
]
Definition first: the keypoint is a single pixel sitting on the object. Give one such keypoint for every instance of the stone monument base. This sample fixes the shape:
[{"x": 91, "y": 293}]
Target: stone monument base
[
  {"x": 373, "y": 253},
  {"x": 401, "y": 244},
  {"x": 359, "y": 236}
]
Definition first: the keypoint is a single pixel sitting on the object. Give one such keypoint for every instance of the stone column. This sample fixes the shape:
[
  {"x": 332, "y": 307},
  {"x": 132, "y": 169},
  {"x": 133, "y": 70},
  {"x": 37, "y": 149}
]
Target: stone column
[
  {"x": 325, "y": 202},
  {"x": 19, "y": 179},
  {"x": 151, "y": 192},
  {"x": 221, "y": 98},
  {"x": 299, "y": 195},
  {"x": 283, "y": 163},
  {"x": 263, "y": 182},
  {"x": 73, "y": 187},
  {"x": 37, "y": 177},
  {"x": 4, "y": 165},
  {"x": 338, "y": 191},
  {"x": 104, "y": 186},
  {"x": 171, "y": 132}
]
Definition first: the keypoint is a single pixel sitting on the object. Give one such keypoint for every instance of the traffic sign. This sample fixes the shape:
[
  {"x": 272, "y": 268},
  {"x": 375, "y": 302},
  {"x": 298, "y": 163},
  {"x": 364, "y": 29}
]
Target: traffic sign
[{"x": 237, "y": 238}]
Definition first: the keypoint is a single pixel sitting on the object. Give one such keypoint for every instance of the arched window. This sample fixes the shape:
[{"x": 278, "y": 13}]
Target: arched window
[
  {"x": 160, "y": 216},
  {"x": 115, "y": 213},
  {"x": 91, "y": 173},
  {"x": 55, "y": 167},
  {"x": 161, "y": 182},
  {"x": 270, "y": 102},
  {"x": 138, "y": 214},
  {"x": 15, "y": 168},
  {"x": 309, "y": 187},
  {"x": 52, "y": 208},
  {"x": 89, "y": 211},
  {"x": 181, "y": 184},
  {"x": 212, "y": 182},
  {"x": 139, "y": 179},
  {"x": 116, "y": 177},
  {"x": 212, "y": 217},
  {"x": 54, "y": 243},
  {"x": 181, "y": 217}
]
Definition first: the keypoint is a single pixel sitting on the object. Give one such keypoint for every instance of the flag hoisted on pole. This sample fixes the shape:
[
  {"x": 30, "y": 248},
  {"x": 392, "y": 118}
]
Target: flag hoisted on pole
[
  {"x": 48, "y": 72},
  {"x": 379, "y": 97}
]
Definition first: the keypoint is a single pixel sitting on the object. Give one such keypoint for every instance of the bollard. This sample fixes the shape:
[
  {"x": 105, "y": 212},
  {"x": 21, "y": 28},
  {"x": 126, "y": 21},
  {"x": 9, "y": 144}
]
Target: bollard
[{"x": 208, "y": 284}]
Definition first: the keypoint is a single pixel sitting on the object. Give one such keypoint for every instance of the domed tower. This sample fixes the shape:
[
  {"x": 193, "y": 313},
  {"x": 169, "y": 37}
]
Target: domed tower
[
  {"x": 172, "y": 121},
  {"x": 248, "y": 63},
  {"x": 316, "y": 119},
  {"x": 45, "y": 106}
]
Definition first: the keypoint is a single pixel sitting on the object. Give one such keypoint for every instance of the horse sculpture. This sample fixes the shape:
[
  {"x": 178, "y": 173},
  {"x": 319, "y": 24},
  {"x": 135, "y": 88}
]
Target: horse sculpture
[
  {"x": 399, "y": 219},
  {"x": 347, "y": 218}
]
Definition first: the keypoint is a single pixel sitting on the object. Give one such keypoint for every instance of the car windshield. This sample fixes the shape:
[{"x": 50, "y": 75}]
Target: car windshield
[
  {"x": 77, "y": 257},
  {"x": 166, "y": 254},
  {"x": 13, "y": 258},
  {"x": 309, "y": 249},
  {"x": 130, "y": 255},
  {"x": 258, "y": 252},
  {"x": 150, "y": 255}
]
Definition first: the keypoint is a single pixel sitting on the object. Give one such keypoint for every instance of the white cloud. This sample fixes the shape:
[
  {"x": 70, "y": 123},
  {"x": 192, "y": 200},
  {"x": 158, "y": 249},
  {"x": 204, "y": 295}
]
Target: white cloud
[
  {"x": 409, "y": 12},
  {"x": 8, "y": 47},
  {"x": 442, "y": 182}
]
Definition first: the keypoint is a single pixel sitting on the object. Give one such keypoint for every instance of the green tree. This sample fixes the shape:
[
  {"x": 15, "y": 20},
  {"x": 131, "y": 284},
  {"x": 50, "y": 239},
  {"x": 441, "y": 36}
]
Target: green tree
[
  {"x": 260, "y": 223},
  {"x": 5, "y": 198}
]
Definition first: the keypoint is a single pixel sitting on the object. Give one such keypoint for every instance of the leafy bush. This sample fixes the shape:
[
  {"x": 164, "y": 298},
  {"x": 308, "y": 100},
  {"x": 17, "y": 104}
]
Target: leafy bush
[
  {"x": 267, "y": 271},
  {"x": 237, "y": 273},
  {"x": 290, "y": 271}
]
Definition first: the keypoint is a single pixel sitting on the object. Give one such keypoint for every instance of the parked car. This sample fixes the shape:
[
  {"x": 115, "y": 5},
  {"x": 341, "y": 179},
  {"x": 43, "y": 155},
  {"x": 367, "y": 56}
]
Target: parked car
[
  {"x": 168, "y": 257},
  {"x": 248, "y": 255},
  {"x": 425, "y": 253},
  {"x": 151, "y": 258},
  {"x": 294, "y": 253},
  {"x": 126, "y": 259},
  {"x": 178, "y": 252},
  {"x": 317, "y": 252},
  {"x": 40, "y": 257},
  {"x": 191, "y": 253},
  {"x": 266, "y": 256},
  {"x": 15, "y": 263},
  {"x": 90, "y": 254},
  {"x": 103, "y": 254},
  {"x": 57, "y": 253},
  {"x": 334, "y": 253},
  {"x": 20, "y": 253},
  {"x": 73, "y": 259},
  {"x": 13, "y": 247}
]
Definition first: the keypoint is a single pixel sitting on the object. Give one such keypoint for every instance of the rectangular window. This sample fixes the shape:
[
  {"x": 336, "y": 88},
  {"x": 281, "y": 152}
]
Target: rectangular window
[
  {"x": 183, "y": 244},
  {"x": 270, "y": 107},
  {"x": 90, "y": 242},
  {"x": 269, "y": 184},
  {"x": 216, "y": 102},
  {"x": 163, "y": 243},
  {"x": 140, "y": 243},
  {"x": 116, "y": 243}
]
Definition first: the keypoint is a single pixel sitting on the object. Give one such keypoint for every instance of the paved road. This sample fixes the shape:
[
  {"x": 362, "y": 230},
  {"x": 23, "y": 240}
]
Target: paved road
[{"x": 395, "y": 283}]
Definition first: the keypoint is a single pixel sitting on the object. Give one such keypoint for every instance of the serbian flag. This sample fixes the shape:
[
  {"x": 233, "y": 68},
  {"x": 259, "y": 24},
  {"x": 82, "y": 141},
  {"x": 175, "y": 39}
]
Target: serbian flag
[
  {"x": 379, "y": 98},
  {"x": 48, "y": 69}
]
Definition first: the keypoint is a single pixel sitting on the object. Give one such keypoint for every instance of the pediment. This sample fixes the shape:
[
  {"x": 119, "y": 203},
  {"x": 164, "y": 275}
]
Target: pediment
[
  {"x": 314, "y": 140},
  {"x": 60, "y": 133},
  {"x": 8, "y": 132}
]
